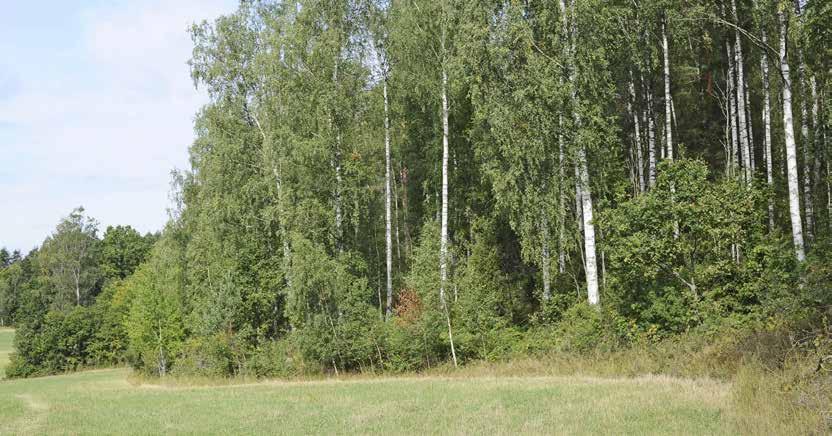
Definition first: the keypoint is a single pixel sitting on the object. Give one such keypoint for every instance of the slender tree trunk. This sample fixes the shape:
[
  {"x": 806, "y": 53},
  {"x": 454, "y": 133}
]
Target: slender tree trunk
[
  {"x": 668, "y": 109},
  {"x": 405, "y": 208},
  {"x": 284, "y": 234},
  {"x": 767, "y": 132},
  {"x": 807, "y": 155},
  {"x": 388, "y": 237},
  {"x": 589, "y": 229},
  {"x": 816, "y": 128},
  {"x": 76, "y": 275},
  {"x": 667, "y": 97},
  {"x": 791, "y": 148},
  {"x": 651, "y": 136},
  {"x": 579, "y": 205},
  {"x": 732, "y": 115},
  {"x": 808, "y": 202},
  {"x": 545, "y": 261},
  {"x": 336, "y": 165},
  {"x": 740, "y": 98},
  {"x": 750, "y": 126},
  {"x": 443, "y": 242},
  {"x": 561, "y": 202},
  {"x": 583, "y": 183},
  {"x": 639, "y": 159}
]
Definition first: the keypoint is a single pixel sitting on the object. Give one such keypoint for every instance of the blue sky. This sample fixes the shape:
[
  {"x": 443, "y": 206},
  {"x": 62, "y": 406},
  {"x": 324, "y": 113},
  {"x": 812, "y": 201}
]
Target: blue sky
[{"x": 96, "y": 109}]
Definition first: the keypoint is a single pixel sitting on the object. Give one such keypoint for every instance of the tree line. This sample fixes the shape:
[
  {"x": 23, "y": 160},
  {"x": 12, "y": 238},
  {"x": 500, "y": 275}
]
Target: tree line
[{"x": 400, "y": 184}]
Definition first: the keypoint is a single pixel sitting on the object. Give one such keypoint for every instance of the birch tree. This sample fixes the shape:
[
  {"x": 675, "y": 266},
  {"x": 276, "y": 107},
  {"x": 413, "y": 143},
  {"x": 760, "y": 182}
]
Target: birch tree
[
  {"x": 668, "y": 99},
  {"x": 805, "y": 142},
  {"x": 70, "y": 259},
  {"x": 583, "y": 189},
  {"x": 739, "y": 96},
  {"x": 767, "y": 129},
  {"x": 788, "y": 132}
]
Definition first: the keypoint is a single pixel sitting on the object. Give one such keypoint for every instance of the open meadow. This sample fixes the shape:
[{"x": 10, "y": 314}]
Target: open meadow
[{"x": 112, "y": 401}]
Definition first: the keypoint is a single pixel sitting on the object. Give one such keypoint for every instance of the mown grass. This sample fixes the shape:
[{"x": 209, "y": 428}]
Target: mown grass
[
  {"x": 6, "y": 348},
  {"x": 105, "y": 401},
  {"x": 557, "y": 394}
]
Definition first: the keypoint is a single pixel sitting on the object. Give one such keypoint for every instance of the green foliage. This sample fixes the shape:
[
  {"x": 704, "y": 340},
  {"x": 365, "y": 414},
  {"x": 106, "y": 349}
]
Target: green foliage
[
  {"x": 585, "y": 328},
  {"x": 691, "y": 250},
  {"x": 123, "y": 249},
  {"x": 419, "y": 337},
  {"x": 483, "y": 310},
  {"x": 58, "y": 343},
  {"x": 69, "y": 260},
  {"x": 329, "y": 308},
  {"x": 278, "y": 359},
  {"x": 155, "y": 322}
]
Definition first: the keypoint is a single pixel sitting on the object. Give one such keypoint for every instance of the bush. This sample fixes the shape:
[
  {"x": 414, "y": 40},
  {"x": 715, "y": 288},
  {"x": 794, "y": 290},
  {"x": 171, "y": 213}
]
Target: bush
[
  {"x": 210, "y": 356},
  {"x": 57, "y": 343},
  {"x": 278, "y": 359},
  {"x": 587, "y": 328}
]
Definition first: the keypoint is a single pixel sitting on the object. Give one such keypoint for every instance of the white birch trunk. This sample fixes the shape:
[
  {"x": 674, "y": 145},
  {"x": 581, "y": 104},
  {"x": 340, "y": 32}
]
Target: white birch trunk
[
  {"x": 589, "y": 229},
  {"x": 740, "y": 99},
  {"x": 791, "y": 147},
  {"x": 750, "y": 126},
  {"x": 732, "y": 112},
  {"x": 579, "y": 213},
  {"x": 545, "y": 261},
  {"x": 583, "y": 182},
  {"x": 808, "y": 202},
  {"x": 651, "y": 136},
  {"x": 443, "y": 241},
  {"x": 807, "y": 156},
  {"x": 561, "y": 202},
  {"x": 639, "y": 159},
  {"x": 387, "y": 204},
  {"x": 767, "y": 131},
  {"x": 667, "y": 98}
]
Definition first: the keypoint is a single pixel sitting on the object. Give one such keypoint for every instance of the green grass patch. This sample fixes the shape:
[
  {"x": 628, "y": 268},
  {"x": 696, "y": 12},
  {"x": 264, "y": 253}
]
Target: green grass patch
[{"x": 106, "y": 401}]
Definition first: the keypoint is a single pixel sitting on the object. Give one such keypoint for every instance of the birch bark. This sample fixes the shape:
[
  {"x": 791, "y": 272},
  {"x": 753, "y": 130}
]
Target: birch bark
[{"x": 791, "y": 148}]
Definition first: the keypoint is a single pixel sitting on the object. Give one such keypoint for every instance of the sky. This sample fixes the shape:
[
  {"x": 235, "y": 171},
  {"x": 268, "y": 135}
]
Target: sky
[{"x": 96, "y": 109}]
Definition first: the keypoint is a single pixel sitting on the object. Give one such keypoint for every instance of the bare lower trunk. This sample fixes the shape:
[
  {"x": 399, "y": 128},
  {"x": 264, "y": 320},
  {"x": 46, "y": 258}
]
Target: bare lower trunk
[
  {"x": 388, "y": 237},
  {"x": 583, "y": 179},
  {"x": 668, "y": 128},
  {"x": 732, "y": 113},
  {"x": 817, "y": 126},
  {"x": 651, "y": 136},
  {"x": 750, "y": 127},
  {"x": 579, "y": 213},
  {"x": 791, "y": 148},
  {"x": 639, "y": 160},
  {"x": 807, "y": 155},
  {"x": 561, "y": 202},
  {"x": 589, "y": 230},
  {"x": 767, "y": 133},
  {"x": 545, "y": 261},
  {"x": 740, "y": 99},
  {"x": 77, "y": 276},
  {"x": 443, "y": 242}
]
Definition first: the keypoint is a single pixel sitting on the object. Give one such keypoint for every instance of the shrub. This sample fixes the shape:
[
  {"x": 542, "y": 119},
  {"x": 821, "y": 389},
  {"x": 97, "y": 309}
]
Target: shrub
[
  {"x": 59, "y": 342},
  {"x": 278, "y": 359},
  {"x": 586, "y": 328}
]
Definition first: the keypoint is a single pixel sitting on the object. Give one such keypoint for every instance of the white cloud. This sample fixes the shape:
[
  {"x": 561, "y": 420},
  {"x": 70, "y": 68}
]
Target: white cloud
[{"x": 104, "y": 129}]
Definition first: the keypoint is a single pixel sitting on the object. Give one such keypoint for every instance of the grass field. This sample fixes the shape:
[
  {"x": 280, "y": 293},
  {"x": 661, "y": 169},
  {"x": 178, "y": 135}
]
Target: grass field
[
  {"x": 104, "y": 401},
  {"x": 113, "y": 402}
]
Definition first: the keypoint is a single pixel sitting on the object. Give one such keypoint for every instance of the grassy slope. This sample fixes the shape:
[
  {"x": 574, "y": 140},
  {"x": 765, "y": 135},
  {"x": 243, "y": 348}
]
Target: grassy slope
[
  {"x": 6, "y": 346},
  {"x": 105, "y": 401}
]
